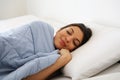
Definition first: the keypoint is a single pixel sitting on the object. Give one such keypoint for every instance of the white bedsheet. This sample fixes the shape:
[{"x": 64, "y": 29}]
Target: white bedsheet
[{"x": 112, "y": 73}]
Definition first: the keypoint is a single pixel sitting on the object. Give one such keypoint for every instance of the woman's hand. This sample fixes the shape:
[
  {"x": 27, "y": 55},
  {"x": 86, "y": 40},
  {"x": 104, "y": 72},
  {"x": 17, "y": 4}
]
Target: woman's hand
[
  {"x": 65, "y": 55},
  {"x": 64, "y": 51},
  {"x": 60, "y": 62}
]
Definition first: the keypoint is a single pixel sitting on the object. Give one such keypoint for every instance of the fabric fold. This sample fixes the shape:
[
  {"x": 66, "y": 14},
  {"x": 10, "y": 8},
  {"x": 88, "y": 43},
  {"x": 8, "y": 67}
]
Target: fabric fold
[{"x": 29, "y": 46}]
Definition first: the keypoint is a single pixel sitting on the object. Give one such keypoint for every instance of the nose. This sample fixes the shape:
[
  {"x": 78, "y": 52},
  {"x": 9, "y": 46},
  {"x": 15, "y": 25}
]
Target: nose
[{"x": 69, "y": 39}]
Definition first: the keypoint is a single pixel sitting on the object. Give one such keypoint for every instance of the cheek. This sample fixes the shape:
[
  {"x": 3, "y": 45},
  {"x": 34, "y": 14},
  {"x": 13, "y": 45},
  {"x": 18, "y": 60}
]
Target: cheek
[
  {"x": 56, "y": 41},
  {"x": 71, "y": 46}
]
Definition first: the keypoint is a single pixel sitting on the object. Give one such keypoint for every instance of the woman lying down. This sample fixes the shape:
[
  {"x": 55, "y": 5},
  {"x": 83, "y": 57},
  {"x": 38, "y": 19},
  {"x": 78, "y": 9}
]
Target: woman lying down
[{"x": 32, "y": 52}]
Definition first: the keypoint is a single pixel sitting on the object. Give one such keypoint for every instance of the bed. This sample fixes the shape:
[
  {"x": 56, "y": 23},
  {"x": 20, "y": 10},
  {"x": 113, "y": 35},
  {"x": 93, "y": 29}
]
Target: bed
[{"x": 89, "y": 67}]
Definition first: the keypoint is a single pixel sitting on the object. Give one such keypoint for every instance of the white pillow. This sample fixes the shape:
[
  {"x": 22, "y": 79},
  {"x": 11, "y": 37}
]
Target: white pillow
[{"x": 100, "y": 52}]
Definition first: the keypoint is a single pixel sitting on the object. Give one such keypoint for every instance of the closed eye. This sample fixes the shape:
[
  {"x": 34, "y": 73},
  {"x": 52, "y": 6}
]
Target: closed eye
[
  {"x": 76, "y": 42},
  {"x": 68, "y": 32}
]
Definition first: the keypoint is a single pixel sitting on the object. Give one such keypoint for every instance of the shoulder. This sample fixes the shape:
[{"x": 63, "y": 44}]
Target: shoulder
[{"x": 42, "y": 24}]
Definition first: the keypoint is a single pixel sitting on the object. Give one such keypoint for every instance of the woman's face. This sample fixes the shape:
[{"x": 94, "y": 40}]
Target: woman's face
[{"x": 68, "y": 38}]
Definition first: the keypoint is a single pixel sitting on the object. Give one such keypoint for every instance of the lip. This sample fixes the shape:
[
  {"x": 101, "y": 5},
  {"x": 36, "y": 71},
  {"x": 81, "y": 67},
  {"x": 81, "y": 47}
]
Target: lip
[{"x": 62, "y": 43}]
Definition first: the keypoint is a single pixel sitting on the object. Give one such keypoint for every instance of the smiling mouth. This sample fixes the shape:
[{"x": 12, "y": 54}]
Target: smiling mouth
[{"x": 62, "y": 43}]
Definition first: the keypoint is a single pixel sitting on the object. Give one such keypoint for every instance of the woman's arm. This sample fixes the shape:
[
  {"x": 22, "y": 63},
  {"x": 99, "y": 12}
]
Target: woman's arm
[{"x": 60, "y": 62}]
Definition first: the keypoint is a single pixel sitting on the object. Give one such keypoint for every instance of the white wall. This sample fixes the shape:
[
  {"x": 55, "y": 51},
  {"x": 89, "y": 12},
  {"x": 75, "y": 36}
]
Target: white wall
[
  {"x": 101, "y": 11},
  {"x": 12, "y": 8}
]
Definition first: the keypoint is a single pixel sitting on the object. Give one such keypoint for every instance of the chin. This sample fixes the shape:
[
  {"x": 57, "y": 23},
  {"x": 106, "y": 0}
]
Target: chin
[{"x": 57, "y": 46}]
